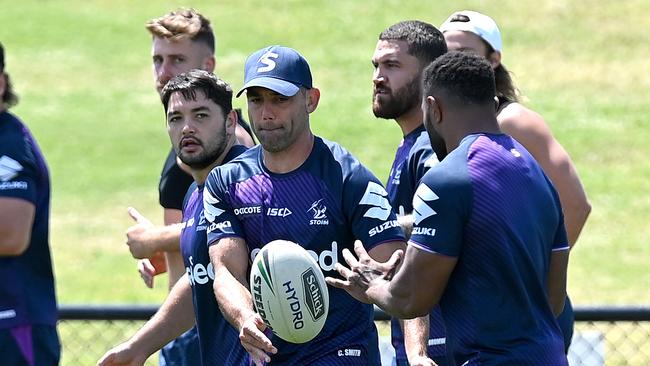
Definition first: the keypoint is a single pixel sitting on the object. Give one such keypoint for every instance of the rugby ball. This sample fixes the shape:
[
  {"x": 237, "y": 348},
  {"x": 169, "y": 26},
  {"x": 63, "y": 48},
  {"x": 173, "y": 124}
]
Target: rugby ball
[{"x": 289, "y": 291}]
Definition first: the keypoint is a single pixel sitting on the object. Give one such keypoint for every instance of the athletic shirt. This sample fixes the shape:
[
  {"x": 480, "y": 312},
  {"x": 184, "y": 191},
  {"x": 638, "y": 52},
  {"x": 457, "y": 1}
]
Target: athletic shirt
[
  {"x": 174, "y": 181},
  {"x": 324, "y": 205},
  {"x": 218, "y": 340},
  {"x": 489, "y": 204},
  {"x": 413, "y": 158},
  {"x": 27, "y": 293}
]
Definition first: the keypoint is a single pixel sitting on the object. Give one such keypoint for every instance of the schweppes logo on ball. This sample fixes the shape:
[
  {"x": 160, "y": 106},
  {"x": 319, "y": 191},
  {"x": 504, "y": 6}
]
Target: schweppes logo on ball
[{"x": 313, "y": 294}]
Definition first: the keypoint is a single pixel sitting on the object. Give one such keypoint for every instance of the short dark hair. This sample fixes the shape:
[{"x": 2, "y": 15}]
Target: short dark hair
[
  {"x": 9, "y": 98},
  {"x": 462, "y": 76},
  {"x": 424, "y": 40},
  {"x": 181, "y": 24},
  {"x": 192, "y": 81}
]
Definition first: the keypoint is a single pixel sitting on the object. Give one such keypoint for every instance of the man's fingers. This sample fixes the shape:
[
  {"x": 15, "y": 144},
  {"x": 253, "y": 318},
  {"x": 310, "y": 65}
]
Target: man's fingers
[
  {"x": 147, "y": 271},
  {"x": 349, "y": 258},
  {"x": 136, "y": 216},
  {"x": 360, "y": 250},
  {"x": 337, "y": 283}
]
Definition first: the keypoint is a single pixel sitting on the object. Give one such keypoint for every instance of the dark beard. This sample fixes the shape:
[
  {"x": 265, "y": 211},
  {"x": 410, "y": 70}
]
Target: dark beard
[
  {"x": 400, "y": 102},
  {"x": 208, "y": 157}
]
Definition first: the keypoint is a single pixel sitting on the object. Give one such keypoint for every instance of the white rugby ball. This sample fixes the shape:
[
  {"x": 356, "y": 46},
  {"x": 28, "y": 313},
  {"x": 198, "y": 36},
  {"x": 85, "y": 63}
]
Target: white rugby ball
[{"x": 289, "y": 291}]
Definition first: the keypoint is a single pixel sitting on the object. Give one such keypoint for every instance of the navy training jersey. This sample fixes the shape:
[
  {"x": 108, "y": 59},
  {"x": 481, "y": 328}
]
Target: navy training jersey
[
  {"x": 218, "y": 340},
  {"x": 324, "y": 205},
  {"x": 27, "y": 293},
  {"x": 413, "y": 158},
  {"x": 489, "y": 204}
]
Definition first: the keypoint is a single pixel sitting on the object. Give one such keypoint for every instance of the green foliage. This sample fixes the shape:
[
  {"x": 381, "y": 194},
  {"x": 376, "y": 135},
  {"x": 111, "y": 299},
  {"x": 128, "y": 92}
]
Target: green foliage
[{"x": 82, "y": 69}]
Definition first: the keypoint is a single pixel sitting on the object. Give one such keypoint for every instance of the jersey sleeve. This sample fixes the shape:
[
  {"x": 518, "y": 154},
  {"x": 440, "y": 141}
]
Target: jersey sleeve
[
  {"x": 222, "y": 221},
  {"x": 174, "y": 183},
  {"x": 371, "y": 216},
  {"x": 441, "y": 207},
  {"x": 18, "y": 168}
]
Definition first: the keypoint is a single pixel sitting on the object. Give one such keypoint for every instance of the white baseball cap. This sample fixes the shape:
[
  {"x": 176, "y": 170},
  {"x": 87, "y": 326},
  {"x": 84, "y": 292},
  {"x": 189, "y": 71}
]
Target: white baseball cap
[{"x": 477, "y": 23}]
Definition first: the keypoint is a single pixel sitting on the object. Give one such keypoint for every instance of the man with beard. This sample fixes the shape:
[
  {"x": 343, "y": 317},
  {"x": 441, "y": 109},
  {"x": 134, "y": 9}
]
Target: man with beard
[
  {"x": 489, "y": 241},
  {"x": 298, "y": 187},
  {"x": 402, "y": 52},
  {"x": 201, "y": 126}
]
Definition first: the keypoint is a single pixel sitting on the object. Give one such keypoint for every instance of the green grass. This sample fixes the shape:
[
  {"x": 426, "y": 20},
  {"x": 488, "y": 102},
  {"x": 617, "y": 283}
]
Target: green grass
[{"x": 83, "y": 72}]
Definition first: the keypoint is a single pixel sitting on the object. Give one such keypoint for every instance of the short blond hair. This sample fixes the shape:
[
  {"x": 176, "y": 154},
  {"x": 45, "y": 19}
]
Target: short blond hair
[{"x": 181, "y": 24}]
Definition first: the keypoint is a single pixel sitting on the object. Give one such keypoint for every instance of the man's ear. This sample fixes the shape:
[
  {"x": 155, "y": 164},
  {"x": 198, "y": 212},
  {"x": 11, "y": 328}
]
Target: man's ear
[
  {"x": 434, "y": 109},
  {"x": 231, "y": 122},
  {"x": 312, "y": 98},
  {"x": 209, "y": 63},
  {"x": 495, "y": 59}
]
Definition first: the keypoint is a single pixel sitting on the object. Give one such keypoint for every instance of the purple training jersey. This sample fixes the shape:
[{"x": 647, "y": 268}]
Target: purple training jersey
[
  {"x": 27, "y": 287},
  {"x": 218, "y": 340},
  {"x": 489, "y": 204},
  {"x": 413, "y": 158},
  {"x": 324, "y": 205}
]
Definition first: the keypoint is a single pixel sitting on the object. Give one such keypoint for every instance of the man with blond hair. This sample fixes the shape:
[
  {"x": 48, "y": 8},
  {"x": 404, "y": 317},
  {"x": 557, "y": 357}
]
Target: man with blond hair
[{"x": 182, "y": 40}]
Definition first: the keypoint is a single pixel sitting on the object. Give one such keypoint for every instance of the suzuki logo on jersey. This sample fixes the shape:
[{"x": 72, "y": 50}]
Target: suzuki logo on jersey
[
  {"x": 379, "y": 229},
  {"x": 248, "y": 210},
  {"x": 326, "y": 259},
  {"x": 318, "y": 209},
  {"x": 198, "y": 273},
  {"x": 266, "y": 59},
  {"x": 375, "y": 196},
  {"x": 278, "y": 211},
  {"x": 211, "y": 212},
  {"x": 9, "y": 168},
  {"x": 424, "y": 231},
  {"x": 422, "y": 210}
]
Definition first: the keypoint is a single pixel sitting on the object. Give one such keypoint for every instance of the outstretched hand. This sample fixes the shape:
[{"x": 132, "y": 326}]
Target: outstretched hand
[
  {"x": 365, "y": 277},
  {"x": 255, "y": 342}
]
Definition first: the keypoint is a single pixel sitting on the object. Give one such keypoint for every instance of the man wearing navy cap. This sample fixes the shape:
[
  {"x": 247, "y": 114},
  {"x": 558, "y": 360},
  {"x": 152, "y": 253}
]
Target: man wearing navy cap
[
  {"x": 302, "y": 188},
  {"x": 28, "y": 311}
]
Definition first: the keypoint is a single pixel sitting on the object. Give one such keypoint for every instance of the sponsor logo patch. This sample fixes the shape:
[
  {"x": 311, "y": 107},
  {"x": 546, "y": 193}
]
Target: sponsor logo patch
[
  {"x": 9, "y": 168},
  {"x": 375, "y": 196},
  {"x": 318, "y": 209},
  {"x": 421, "y": 209}
]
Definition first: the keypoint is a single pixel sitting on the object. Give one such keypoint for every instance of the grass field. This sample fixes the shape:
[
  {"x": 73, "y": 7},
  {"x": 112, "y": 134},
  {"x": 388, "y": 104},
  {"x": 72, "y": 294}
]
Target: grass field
[{"x": 82, "y": 69}]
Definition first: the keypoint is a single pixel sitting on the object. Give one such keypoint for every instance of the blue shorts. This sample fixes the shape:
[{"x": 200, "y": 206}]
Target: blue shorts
[
  {"x": 30, "y": 345},
  {"x": 182, "y": 351}
]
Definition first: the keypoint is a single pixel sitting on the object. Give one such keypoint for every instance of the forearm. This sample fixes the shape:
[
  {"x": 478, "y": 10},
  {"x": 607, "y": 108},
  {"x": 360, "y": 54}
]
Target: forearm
[
  {"x": 175, "y": 316},
  {"x": 416, "y": 336},
  {"x": 234, "y": 298},
  {"x": 166, "y": 238}
]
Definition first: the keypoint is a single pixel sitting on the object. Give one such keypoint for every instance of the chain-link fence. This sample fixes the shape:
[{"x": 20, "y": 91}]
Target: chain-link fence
[{"x": 603, "y": 335}]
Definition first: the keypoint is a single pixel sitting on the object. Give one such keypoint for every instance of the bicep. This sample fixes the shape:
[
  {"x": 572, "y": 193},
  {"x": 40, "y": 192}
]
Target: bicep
[
  {"x": 230, "y": 254},
  {"x": 16, "y": 220}
]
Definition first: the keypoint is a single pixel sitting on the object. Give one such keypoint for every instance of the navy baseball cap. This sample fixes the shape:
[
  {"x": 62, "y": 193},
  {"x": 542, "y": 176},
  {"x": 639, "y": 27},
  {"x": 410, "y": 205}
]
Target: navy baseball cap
[{"x": 281, "y": 69}]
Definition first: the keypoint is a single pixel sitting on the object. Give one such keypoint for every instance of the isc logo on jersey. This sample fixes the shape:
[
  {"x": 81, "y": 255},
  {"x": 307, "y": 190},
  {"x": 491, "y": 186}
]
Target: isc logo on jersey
[
  {"x": 326, "y": 259},
  {"x": 289, "y": 291}
]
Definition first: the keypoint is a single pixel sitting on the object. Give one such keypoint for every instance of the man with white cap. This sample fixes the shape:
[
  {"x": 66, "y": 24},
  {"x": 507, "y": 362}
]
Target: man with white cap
[
  {"x": 478, "y": 33},
  {"x": 298, "y": 187}
]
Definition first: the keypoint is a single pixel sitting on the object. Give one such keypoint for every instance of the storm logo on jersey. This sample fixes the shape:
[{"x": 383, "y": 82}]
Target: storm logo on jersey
[{"x": 318, "y": 208}]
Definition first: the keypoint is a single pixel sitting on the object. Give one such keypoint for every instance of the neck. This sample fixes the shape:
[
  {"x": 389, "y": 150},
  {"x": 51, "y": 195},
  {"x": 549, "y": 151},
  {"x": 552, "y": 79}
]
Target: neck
[
  {"x": 292, "y": 157},
  {"x": 410, "y": 120},
  {"x": 470, "y": 122},
  {"x": 200, "y": 175}
]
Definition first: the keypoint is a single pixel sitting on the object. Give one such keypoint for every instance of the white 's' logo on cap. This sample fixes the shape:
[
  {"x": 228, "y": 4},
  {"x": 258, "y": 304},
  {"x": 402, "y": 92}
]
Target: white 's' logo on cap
[{"x": 266, "y": 59}]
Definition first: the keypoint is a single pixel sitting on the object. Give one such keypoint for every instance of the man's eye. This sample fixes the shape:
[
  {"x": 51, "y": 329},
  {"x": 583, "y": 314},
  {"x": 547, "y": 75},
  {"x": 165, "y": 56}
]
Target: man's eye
[{"x": 201, "y": 115}]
